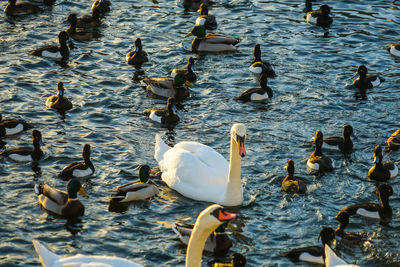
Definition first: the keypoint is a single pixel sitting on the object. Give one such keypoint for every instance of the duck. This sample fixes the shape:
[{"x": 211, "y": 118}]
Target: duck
[
  {"x": 211, "y": 42},
  {"x": 393, "y": 142},
  {"x": 373, "y": 210},
  {"x": 14, "y": 9},
  {"x": 207, "y": 221},
  {"x": 58, "y": 101},
  {"x": 342, "y": 143},
  {"x": 195, "y": 4},
  {"x": 394, "y": 49},
  {"x": 164, "y": 116},
  {"x": 217, "y": 242},
  {"x": 25, "y": 154},
  {"x": 292, "y": 184},
  {"x": 259, "y": 66},
  {"x": 89, "y": 21},
  {"x": 142, "y": 190},
  {"x": 382, "y": 171},
  {"x": 79, "y": 35},
  {"x": 332, "y": 260},
  {"x": 346, "y": 237},
  {"x": 79, "y": 169},
  {"x": 238, "y": 260},
  {"x": 318, "y": 161},
  {"x": 137, "y": 56},
  {"x": 207, "y": 21},
  {"x": 366, "y": 80},
  {"x": 320, "y": 17},
  {"x": 198, "y": 172},
  {"x": 167, "y": 87},
  {"x": 61, "y": 202},
  {"x": 101, "y": 6},
  {"x": 257, "y": 94},
  {"x": 13, "y": 126},
  {"x": 188, "y": 72},
  {"x": 55, "y": 52},
  {"x": 314, "y": 254}
]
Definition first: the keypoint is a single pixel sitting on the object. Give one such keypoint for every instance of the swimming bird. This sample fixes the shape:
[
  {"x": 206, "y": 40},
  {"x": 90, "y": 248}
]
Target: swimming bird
[
  {"x": 195, "y": 4},
  {"x": 211, "y": 42},
  {"x": 61, "y": 202},
  {"x": 366, "y": 80},
  {"x": 188, "y": 72},
  {"x": 55, "y": 52},
  {"x": 79, "y": 35},
  {"x": 292, "y": 184},
  {"x": 79, "y": 169},
  {"x": 320, "y": 17},
  {"x": 393, "y": 142},
  {"x": 373, "y": 210},
  {"x": 141, "y": 190},
  {"x": 318, "y": 161},
  {"x": 89, "y": 21},
  {"x": 257, "y": 94},
  {"x": 207, "y": 21},
  {"x": 394, "y": 49},
  {"x": 346, "y": 237},
  {"x": 101, "y": 6},
  {"x": 167, "y": 87},
  {"x": 164, "y": 116},
  {"x": 14, "y": 9},
  {"x": 342, "y": 143},
  {"x": 207, "y": 221},
  {"x": 314, "y": 254},
  {"x": 238, "y": 260},
  {"x": 137, "y": 56},
  {"x": 218, "y": 242},
  {"x": 199, "y": 172},
  {"x": 25, "y": 154},
  {"x": 259, "y": 66},
  {"x": 13, "y": 126},
  {"x": 59, "y": 101},
  {"x": 382, "y": 171},
  {"x": 332, "y": 260}
]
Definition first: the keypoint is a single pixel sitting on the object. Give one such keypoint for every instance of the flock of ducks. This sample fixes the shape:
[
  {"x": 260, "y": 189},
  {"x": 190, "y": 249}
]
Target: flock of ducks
[{"x": 193, "y": 169}]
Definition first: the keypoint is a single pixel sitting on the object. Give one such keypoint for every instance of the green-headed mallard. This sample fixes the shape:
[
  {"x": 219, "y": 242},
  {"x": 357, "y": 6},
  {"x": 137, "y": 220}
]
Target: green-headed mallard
[
  {"x": 208, "y": 21},
  {"x": 79, "y": 169},
  {"x": 211, "y": 42},
  {"x": 141, "y": 190},
  {"x": 318, "y": 161},
  {"x": 58, "y": 101},
  {"x": 188, "y": 72},
  {"x": 167, "y": 87},
  {"x": 25, "y": 154},
  {"x": 162, "y": 115},
  {"x": 79, "y": 35},
  {"x": 61, "y": 202},
  {"x": 137, "y": 56},
  {"x": 259, "y": 66},
  {"x": 257, "y": 94},
  {"x": 12, "y": 126},
  {"x": 292, "y": 184}
]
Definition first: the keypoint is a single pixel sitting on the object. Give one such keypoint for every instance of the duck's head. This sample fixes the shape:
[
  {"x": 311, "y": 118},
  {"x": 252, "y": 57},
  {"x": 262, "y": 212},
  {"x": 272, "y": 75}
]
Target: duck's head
[
  {"x": 72, "y": 18},
  {"x": 144, "y": 173},
  {"x": 384, "y": 191},
  {"x": 63, "y": 37},
  {"x": 203, "y": 9},
  {"x": 171, "y": 100},
  {"x": 12, "y": 2},
  {"x": 325, "y": 10},
  {"x": 362, "y": 71},
  {"x": 378, "y": 154},
  {"x": 327, "y": 235},
  {"x": 212, "y": 217},
  {"x": 343, "y": 217},
  {"x": 74, "y": 187},
  {"x": 190, "y": 61},
  {"x": 138, "y": 45},
  {"x": 347, "y": 131},
  {"x": 60, "y": 88},
  {"x": 37, "y": 137},
  {"x": 257, "y": 51},
  {"x": 238, "y": 133},
  {"x": 86, "y": 152},
  {"x": 198, "y": 31},
  {"x": 180, "y": 80},
  {"x": 318, "y": 138},
  {"x": 290, "y": 167}
]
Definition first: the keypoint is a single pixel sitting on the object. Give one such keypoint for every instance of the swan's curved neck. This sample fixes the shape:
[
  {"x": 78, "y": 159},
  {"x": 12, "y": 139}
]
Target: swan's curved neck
[{"x": 196, "y": 245}]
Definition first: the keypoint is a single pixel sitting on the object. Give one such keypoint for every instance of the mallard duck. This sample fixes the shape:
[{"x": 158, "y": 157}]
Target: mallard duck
[
  {"x": 393, "y": 142},
  {"x": 167, "y": 87},
  {"x": 24, "y": 154},
  {"x": 332, "y": 260},
  {"x": 218, "y": 242},
  {"x": 238, "y": 260},
  {"x": 199, "y": 172},
  {"x": 382, "y": 171},
  {"x": 366, "y": 80},
  {"x": 14, "y": 9},
  {"x": 195, "y": 4},
  {"x": 61, "y": 202},
  {"x": 342, "y": 143},
  {"x": 79, "y": 35},
  {"x": 394, "y": 49},
  {"x": 257, "y": 94},
  {"x": 188, "y": 72},
  {"x": 59, "y": 101},
  {"x": 141, "y": 190},
  {"x": 373, "y": 210},
  {"x": 207, "y": 221},
  {"x": 207, "y": 21},
  {"x": 320, "y": 17},
  {"x": 89, "y": 21},
  {"x": 314, "y": 254},
  {"x": 211, "y": 42},
  {"x": 346, "y": 237},
  {"x": 13, "y": 126},
  {"x": 318, "y": 161},
  {"x": 164, "y": 116},
  {"x": 52, "y": 51},
  {"x": 137, "y": 56},
  {"x": 102, "y": 6},
  {"x": 79, "y": 169},
  {"x": 292, "y": 184},
  {"x": 260, "y": 67}
]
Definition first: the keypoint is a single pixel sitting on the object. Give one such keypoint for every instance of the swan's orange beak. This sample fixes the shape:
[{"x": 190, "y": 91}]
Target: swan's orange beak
[
  {"x": 242, "y": 149},
  {"x": 226, "y": 216}
]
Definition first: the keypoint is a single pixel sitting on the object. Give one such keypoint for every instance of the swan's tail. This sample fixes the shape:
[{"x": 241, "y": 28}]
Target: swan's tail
[
  {"x": 160, "y": 148},
  {"x": 47, "y": 257}
]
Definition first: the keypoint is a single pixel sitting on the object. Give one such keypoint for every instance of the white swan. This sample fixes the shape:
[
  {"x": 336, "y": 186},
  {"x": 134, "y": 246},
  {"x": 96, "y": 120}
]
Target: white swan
[
  {"x": 332, "y": 260},
  {"x": 199, "y": 172},
  {"x": 206, "y": 223}
]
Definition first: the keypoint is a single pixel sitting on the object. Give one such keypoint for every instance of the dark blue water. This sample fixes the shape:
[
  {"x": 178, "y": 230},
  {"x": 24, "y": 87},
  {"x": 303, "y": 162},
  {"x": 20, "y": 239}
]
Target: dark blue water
[{"x": 311, "y": 92}]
